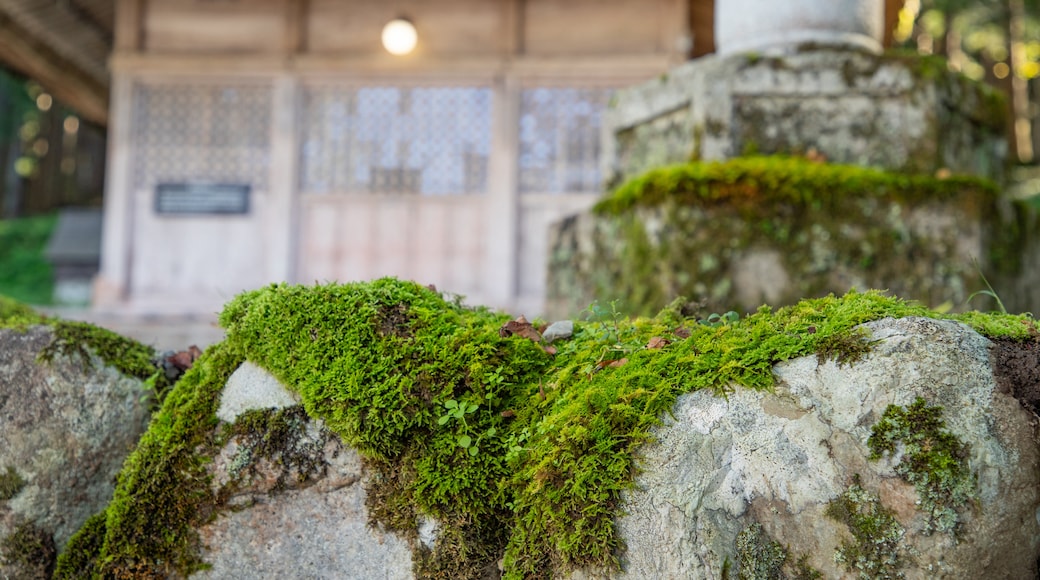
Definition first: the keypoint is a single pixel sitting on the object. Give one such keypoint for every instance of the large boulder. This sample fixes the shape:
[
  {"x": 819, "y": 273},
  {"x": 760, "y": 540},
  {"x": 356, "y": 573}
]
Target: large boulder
[
  {"x": 66, "y": 425},
  {"x": 763, "y": 481}
]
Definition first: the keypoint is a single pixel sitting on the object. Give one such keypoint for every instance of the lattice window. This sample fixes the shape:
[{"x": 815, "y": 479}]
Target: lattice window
[
  {"x": 560, "y": 139},
  {"x": 395, "y": 140},
  {"x": 201, "y": 133}
]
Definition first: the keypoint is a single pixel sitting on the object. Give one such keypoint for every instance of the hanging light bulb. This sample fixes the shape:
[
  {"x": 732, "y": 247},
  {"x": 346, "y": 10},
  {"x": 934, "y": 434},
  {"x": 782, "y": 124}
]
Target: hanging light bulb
[{"x": 399, "y": 37}]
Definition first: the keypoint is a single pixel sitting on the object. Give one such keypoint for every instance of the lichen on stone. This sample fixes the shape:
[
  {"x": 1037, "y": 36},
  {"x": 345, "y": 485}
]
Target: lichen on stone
[
  {"x": 759, "y": 557},
  {"x": 933, "y": 460},
  {"x": 874, "y": 552}
]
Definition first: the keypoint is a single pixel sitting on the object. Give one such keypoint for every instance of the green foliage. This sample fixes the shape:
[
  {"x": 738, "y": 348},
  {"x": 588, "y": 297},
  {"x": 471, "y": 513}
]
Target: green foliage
[
  {"x": 933, "y": 460},
  {"x": 27, "y": 273},
  {"x": 756, "y": 184},
  {"x": 10, "y": 483},
  {"x": 873, "y": 552}
]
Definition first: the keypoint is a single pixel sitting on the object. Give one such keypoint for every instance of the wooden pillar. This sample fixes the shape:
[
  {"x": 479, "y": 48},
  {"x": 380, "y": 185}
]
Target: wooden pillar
[
  {"x": 500, "y": 283},
  {"x": 282, "y": 227},
  {"x": 112, "y": 284}
]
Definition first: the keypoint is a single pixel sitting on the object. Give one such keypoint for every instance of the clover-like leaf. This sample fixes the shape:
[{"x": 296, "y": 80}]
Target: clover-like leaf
[{"x": 465, "y": 441}]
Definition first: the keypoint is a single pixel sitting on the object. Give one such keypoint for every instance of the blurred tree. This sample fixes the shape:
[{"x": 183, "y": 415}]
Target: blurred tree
[
  {"x": 993, "y": 40},
  {"x": 15, "y": 105},
  {"x": 48, "y": 157}
]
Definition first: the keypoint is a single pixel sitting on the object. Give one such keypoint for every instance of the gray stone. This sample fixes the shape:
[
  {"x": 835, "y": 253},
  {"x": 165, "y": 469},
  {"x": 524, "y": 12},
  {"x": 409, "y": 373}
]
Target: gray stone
[
  {"x": 558, "y": 330},
  {"x": 65, "y": 428},
  {"x": 251, "y": 387},
  {"x": 851, "y": 106},
  {"x": 720, "y": 465},
  {"x": 300, "y": 513}
]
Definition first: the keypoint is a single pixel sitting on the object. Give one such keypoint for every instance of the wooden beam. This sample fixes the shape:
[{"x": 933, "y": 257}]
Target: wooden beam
[
  {"x": 64, "y": 80},
  {"x": 129, "y": 25},
  {"x": 296, "y": 26},
  {"x": 513, "y": 22},
  {"x": 702, "y": 26}
]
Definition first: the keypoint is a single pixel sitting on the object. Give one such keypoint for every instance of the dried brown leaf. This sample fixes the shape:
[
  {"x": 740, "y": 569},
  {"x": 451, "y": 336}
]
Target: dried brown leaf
[
  {"x": 520, "y": 327},
  {"x": 658, "y": 342}
]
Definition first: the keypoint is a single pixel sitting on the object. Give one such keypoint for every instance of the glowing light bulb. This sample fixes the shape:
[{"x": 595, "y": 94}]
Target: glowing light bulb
[{"x": 399, "y": 37}]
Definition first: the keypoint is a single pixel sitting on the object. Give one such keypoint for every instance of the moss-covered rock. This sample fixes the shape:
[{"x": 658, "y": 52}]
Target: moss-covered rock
[
  {"x": 772, "y": 230},
  {"x": 519, "y": 452},
  {"x": 69, "y": 419}
]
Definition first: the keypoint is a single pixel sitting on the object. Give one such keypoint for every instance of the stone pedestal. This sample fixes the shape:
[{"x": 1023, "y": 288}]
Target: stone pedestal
[
  {"x": 906, "y": 113},
  {"x": 769, "y": 26}
]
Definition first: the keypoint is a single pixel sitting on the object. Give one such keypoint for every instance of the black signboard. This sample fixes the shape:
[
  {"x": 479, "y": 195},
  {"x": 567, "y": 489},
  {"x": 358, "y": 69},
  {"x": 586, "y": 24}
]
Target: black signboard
[{"x": 202, "y": 198}]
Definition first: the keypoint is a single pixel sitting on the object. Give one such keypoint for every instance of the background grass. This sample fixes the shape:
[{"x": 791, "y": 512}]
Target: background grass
[{"x": 25, "y": 273}]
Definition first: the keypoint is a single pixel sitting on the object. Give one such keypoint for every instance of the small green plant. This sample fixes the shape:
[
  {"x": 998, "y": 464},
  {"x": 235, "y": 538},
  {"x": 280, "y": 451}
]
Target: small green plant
[
  {"x": 458, "y": 410},
  {"x": 989, "y": 291},
  {"x": 716, "y": 320}
]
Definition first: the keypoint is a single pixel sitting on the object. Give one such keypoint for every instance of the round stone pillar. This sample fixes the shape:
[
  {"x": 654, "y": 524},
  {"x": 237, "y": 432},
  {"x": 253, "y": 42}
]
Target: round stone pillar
[{"x": 777, "y": 26}]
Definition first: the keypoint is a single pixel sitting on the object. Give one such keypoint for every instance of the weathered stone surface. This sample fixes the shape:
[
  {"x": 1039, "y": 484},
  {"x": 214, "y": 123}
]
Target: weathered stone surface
[
  {"x": 919, "y": 250},
  {"x": 295, "y": 509},
  {"x": 851, "y": 106},
  {"x": 721, "y": 465},
  {"x": 65, "y": 428}
]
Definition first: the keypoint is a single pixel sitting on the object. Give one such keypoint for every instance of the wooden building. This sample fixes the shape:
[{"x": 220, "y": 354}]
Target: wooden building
[
  {"x": 277, "y": 140},
  {"x": 256, "y": 141}
]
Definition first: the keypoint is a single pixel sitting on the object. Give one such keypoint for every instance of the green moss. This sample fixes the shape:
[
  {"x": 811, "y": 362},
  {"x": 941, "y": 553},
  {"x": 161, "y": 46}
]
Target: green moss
[
  {"x": 14, "y": 314},
  {"x": 933, "y": 460},
  {"x": 29, "y": 551},
  {"x": 760, "y": 183},
  {"x": 684, "y": 230},
  {"x": 79, "y": 561},
  {"x": 133, "y": 359},
  {"x": 874, "y": 550},
  {"x": 1013, "y": 326},
  {"x": 162, "y": 494},
  {"x": 10, "y": 483},
  {"x": 555, "y": 436}
]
